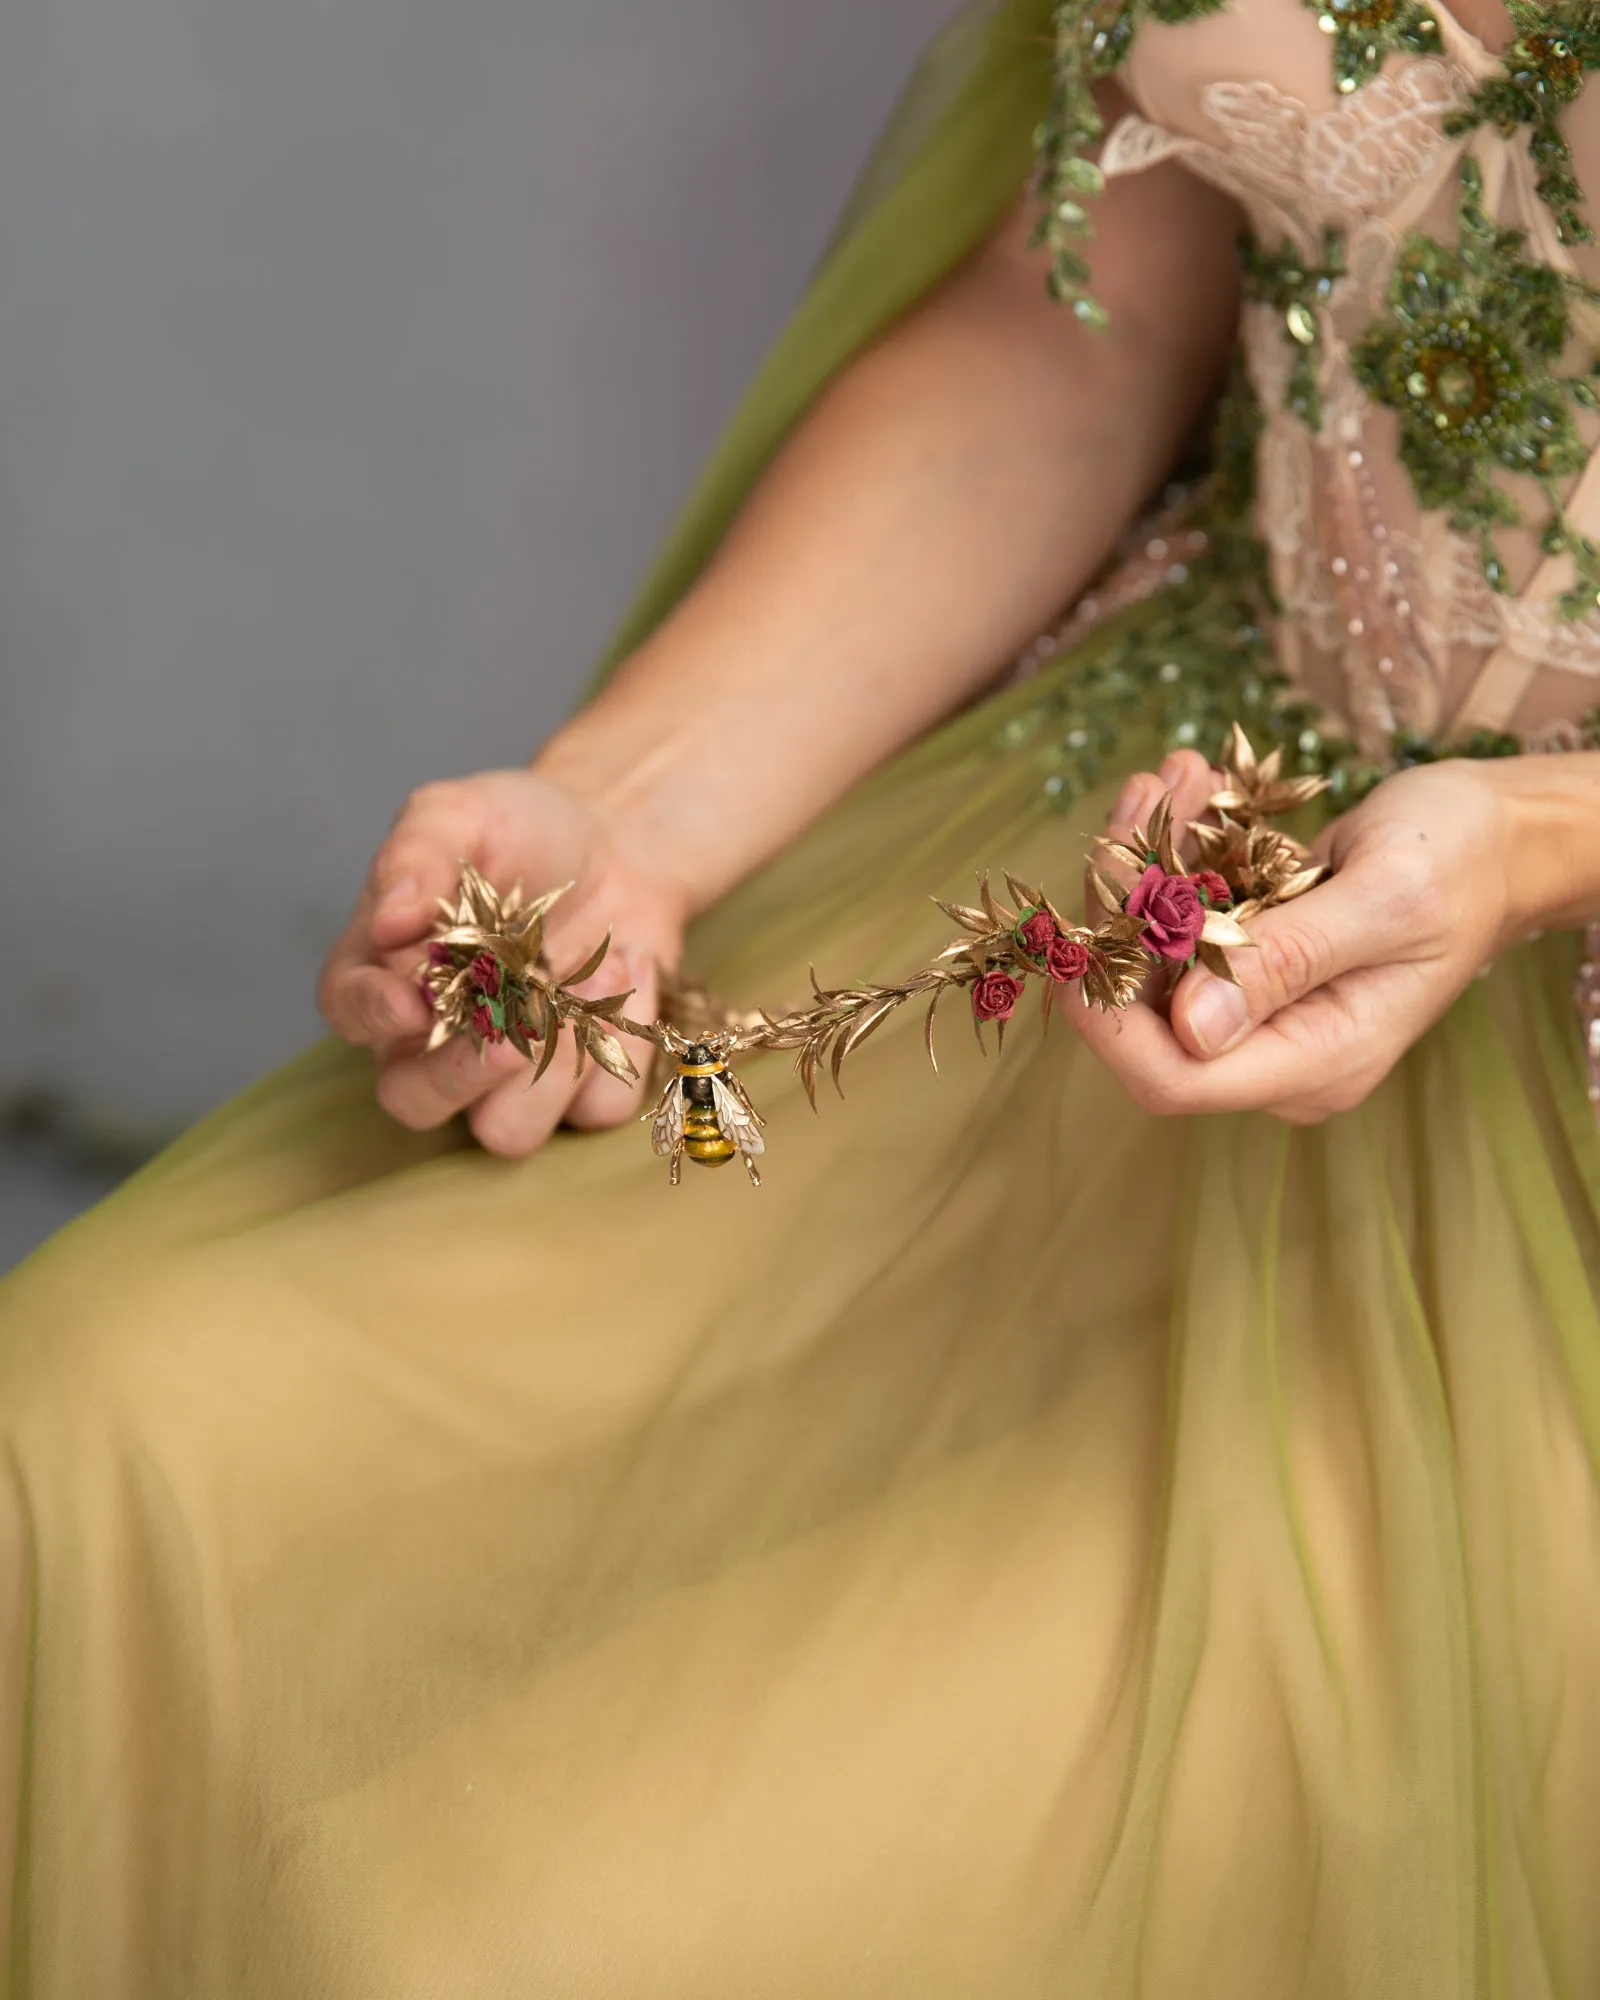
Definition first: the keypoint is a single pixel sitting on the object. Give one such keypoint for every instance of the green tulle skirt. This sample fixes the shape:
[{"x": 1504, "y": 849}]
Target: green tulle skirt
[{"x": 1027, "y": 1549}]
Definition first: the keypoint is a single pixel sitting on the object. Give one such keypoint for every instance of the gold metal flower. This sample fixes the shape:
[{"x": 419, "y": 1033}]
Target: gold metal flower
[
  {"x": 1260, "y": 864},
  {"x": 529, "y": 1005},
  {"x": 1253, "y": 789}
]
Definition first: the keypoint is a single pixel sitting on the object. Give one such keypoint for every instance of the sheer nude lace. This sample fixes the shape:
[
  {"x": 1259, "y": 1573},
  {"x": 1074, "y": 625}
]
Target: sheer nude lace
[{"x": 1393, "y": 624}]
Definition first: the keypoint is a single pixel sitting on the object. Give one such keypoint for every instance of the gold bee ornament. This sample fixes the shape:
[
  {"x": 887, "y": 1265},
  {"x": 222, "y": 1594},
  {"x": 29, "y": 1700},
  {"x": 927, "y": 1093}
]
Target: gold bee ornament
[{"x": 704, "y": 1112}]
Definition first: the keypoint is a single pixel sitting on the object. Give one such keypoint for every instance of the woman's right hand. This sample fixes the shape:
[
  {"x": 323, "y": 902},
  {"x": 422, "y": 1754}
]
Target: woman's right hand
[{"x": 515, "y": 828}]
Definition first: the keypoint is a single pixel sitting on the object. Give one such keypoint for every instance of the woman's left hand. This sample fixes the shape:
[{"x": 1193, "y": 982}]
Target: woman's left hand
[{"x": 1340, "y": 982}]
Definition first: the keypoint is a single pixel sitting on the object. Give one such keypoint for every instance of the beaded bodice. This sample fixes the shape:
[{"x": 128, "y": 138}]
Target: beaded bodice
[{"x": 1419, "y": 331}]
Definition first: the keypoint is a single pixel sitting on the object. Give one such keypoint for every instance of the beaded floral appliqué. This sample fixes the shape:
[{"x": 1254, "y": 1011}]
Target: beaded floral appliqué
[
  {"x": 1366, "y": 32},
  {"x": 1295, "y": 289},
  {"x": 1466, "y": 360},
  {"x": 1541, "y": 73}
]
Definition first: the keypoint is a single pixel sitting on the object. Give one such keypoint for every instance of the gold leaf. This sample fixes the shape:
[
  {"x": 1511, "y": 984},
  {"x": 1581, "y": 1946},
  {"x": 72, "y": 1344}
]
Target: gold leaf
[
  {"x": 547, "y": 1054},
  {"x": 1109, "y": 897},
  {"x": 442, "y": 1032},
  {"x": 968, "y": 918},
  {"x": 1216, "y": 960},
  {"x": 1022, "y": 893},
  {"x": 986, "y": 897},
  {"x": 542, "y": 905},
  {"x": 806, "y": 1067},
  {"x": 868, "y": 1023},
  {"x": 1160, "y": 831},
  {"x": 1118, "y": 850},
  {"x": 927, "y": 1027},
  {"x": 591, "y": 965},
  {"x": 610, "y": 1004},
  {"x": 1298, "y": 884},
  {"x": 1223, "y": 928},
  {"x": 1244, "y": 757},
  {"x": 612, "y": 1057}
]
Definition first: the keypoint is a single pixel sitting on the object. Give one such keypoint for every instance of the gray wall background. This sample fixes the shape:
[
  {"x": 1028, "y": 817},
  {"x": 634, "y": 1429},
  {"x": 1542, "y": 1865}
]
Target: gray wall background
[{"x": 353, "y": 356}]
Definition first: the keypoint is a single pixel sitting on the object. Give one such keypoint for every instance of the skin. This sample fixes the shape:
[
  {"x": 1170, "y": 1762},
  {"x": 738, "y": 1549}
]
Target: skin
[
  {"x": 1438, "y": 871},
  {"x": 956, "y": 484}
]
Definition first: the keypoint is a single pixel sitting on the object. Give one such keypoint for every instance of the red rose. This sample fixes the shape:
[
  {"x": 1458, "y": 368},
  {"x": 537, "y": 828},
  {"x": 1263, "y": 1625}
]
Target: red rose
[
  {"x": 1173, "y": 912},
  {"x": 483, "y": 1022},
  {"x": 1066, "y": 959},
  {"x": 995, "y": 996},
  {"x": 1037, "y": 934},
  {"x": 485, "y": 971},
  {"x": 1211, "y": 884},
  {"x": 441, "y": 955}
]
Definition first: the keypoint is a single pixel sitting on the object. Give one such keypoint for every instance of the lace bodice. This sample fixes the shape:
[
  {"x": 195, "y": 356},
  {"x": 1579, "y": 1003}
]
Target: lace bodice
[{"x": 1408, "y": 346}]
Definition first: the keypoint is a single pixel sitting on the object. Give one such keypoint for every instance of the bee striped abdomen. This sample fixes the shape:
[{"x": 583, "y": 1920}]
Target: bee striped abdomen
[{"x": 703, "y": 1138}]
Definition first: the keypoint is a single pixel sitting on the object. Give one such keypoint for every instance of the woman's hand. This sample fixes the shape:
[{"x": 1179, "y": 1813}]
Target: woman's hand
[
  {"x": 1340, "y": 982},
  {"x": 515, "y": 827}
]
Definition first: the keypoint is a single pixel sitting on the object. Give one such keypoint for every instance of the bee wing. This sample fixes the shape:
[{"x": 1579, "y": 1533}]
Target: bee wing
[
  {"x": 666, "y": 1133},
  {"x": 737, "y": 1117}
]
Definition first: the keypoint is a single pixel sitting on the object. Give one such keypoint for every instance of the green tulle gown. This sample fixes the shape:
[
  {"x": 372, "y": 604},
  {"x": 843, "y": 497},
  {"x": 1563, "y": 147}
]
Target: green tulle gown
[{"x": 1028, "y": 1549}]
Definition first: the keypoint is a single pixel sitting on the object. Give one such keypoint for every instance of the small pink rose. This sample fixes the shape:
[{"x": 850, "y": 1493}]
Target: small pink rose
[
  {"x": 1173, "y": 912},
  {"x": 1066, "y": 959},
  {"x": 1036, "y": 934},
  {"x": 995, "y": 996},
  {"x": 1210, "y": 883}
]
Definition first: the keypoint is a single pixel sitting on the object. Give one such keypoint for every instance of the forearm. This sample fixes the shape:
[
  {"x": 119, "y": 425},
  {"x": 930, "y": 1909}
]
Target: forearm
[
  {"x": 948, "y": 493},
  {"x": 1553, "y": 841}
]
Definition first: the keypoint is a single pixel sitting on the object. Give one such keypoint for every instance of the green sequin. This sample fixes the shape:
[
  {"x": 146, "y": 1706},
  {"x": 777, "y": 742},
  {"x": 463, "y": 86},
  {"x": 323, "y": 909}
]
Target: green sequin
[
  {"x": 1541, "y": 73},
  {"x": 1366, "y": 32},
  {"x": 1092, "y": 40},
  {"x": 1465, "y": 358},
  {"x": 1296, "y": 290}
]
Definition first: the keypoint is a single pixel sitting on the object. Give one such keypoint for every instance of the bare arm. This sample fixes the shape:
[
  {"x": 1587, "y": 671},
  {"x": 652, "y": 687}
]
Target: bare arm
[
  {"x": 945, "y": 497},
  {"x": 947, "y": 494}
]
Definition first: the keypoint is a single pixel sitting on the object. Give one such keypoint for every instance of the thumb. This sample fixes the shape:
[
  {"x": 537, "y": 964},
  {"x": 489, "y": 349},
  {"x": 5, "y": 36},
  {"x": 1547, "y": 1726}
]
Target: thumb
[{"x": 1294, "y": 949}]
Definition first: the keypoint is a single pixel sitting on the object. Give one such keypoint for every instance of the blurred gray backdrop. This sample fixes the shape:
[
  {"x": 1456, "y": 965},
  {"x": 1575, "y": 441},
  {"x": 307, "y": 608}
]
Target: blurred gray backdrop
[{"x": 354, "y": 354}]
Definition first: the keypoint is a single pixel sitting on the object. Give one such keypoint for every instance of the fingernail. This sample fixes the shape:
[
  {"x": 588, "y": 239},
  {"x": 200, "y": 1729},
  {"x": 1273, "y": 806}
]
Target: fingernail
[
  {"x": 396, "y": 895},
  {"x": 1219, "y": 1017},
  {"x": 1128, "y": 802}
]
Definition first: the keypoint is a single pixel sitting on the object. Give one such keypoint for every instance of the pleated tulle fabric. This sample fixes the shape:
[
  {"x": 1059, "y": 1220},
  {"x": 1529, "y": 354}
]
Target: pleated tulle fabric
[{"x": 1027, "y": 1549}]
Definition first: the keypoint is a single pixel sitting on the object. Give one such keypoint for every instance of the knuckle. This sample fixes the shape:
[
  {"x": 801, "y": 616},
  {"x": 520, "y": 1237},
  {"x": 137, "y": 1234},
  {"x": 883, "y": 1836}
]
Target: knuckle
[
  {"x": 407, "y": 1099},
  {"x": 511, "y": 1124},
  {"x": 427, "y": 798},
  {"x": 1161, "y": 1097},
  {"x": 328, "y": 999},
  {"x": 1412, "y": 882},
  {"x": 1287, "y": 963}
]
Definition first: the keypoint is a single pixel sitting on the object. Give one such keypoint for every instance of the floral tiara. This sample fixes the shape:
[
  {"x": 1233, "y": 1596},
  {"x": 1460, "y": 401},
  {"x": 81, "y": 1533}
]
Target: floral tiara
[{"x": 487, "y": 976}]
